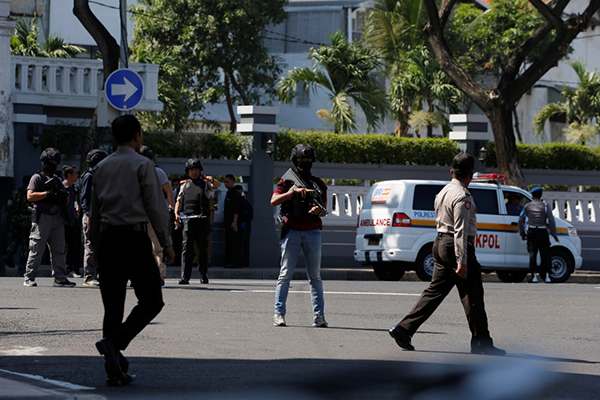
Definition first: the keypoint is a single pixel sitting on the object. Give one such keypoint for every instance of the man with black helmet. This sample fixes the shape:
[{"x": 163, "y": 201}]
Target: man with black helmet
[
  {"x": 49, "y": 198},
  {"x": 303, "y": 198},
  {"x": 455, "y": 263},
  {"x": 90, "y": 268},
  {"x": 193, "y": 202}
]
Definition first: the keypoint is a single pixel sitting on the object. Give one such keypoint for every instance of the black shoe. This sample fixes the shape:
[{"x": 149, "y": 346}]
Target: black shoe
[
  {"x": 183, "y": 282},
  {"x": 204, "y": 278},
  {"x": 488, "y": 350},
  {"x": 112, "y": 357},
  {"x": 126, "y": 379},
  {"x": 401, "y": 337},
  {"x": 8, "y": 260}
]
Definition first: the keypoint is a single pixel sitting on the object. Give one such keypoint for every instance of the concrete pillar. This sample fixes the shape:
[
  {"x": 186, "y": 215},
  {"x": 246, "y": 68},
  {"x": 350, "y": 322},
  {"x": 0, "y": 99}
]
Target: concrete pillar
[
  {"x": 7, "y": 27},
  {"x": 260, "y": 122},
  {"x": 471, "y": 132}
]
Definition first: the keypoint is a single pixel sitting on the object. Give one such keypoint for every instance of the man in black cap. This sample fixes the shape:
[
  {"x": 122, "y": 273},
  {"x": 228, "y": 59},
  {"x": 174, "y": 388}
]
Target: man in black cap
[{"x": 455, "y": 263}]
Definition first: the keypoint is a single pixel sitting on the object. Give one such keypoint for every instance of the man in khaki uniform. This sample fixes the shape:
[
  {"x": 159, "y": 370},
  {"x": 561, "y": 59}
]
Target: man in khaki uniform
[{"x": 455, "y": 263}]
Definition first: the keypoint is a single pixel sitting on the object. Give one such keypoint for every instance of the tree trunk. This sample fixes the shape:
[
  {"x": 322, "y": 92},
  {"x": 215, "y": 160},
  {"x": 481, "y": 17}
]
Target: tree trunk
[
  {"x": 506, "y": 146},
  {"x": 109, "y": 49},
  {"x": 232, "y": 120}
]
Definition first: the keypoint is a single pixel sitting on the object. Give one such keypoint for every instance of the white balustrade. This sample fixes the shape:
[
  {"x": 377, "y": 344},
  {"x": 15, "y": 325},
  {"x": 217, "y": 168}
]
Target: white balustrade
[{"x": 72, "y": 82}]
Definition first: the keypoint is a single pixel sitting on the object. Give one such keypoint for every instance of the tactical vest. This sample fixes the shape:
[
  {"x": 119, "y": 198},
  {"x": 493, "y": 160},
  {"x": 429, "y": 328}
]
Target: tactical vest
[
  {"x": 195, "y": 201},
  {"x": 297, "y": 206}
]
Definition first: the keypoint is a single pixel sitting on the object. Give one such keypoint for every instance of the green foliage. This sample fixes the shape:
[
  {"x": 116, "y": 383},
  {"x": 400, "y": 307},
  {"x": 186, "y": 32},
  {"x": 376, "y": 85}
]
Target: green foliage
[
  {"x": 368, "y": 149},
  {"x": 346, "y": 72},
  {"x": 559, "y": 156},
  {"x": 25, "y": 42},
  {"x": 64, "y": 137},
  {"x": 581, "y": 107},
  {"x": 178, "y": 145},
  {"x": 217, "y": 46},
  {"x": 484, "y": 42}
]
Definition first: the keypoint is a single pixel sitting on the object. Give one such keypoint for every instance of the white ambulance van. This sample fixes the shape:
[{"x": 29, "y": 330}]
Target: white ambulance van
[{"x": 396, "y": 229}]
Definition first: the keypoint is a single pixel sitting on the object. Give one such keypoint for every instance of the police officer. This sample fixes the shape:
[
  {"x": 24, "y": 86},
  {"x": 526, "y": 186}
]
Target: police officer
[
  {"x": 126, "y": 196},
  {"x": 71, "y": 221},
  {"x": 90, "y": 268},
  {"x": 455, "y": 263},
  {"x": 301, "y": 231},
  {"x": 193, "y": 202},
  {"x": 49, "y": 199},
  {"x": 540, "y": 219}
]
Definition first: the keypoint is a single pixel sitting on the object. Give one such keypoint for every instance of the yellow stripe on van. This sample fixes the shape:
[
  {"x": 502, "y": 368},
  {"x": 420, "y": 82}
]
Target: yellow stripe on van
[
  {"x": 481, "y": 226},
  {"x": 423, "y": 222}
]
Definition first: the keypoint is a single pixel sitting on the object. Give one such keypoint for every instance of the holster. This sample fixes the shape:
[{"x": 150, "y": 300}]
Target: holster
[{"x": 284, "y": 229}]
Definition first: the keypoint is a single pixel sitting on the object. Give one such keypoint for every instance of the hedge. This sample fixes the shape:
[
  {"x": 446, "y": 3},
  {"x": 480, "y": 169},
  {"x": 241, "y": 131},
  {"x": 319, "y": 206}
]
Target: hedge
[
  {"x": 369, "y": 149},
  {"x": 558, "y": 156}
]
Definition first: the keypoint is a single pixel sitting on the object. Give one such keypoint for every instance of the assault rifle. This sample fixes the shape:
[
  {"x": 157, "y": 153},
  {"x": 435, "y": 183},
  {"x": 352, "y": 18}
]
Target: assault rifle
[{"x": 315, "y": 196}]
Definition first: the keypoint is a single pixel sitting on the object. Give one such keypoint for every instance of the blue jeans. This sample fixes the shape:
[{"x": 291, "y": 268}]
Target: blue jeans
[{"x": 310, "y": 243}]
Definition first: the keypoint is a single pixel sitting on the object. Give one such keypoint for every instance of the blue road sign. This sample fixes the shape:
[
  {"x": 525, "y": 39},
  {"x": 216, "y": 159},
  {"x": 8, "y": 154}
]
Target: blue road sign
[{"x": 124, "y": 89}]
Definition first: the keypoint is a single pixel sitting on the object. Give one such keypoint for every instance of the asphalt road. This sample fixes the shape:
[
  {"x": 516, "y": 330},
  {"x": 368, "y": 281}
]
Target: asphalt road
[{"x": 217, "y": 341}]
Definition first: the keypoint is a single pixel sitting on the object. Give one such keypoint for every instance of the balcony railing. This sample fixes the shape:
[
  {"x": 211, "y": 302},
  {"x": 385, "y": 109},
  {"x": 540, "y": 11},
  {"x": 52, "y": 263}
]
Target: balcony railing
[{"x": 72, "y": 82}]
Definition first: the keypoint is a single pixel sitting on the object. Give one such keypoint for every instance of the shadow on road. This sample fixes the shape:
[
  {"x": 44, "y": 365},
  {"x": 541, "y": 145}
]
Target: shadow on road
[{"x": 164, "y": 378}]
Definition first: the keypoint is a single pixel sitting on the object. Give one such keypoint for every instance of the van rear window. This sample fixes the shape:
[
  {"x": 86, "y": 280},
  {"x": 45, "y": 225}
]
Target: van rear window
[{"x": 425, "y": 196}]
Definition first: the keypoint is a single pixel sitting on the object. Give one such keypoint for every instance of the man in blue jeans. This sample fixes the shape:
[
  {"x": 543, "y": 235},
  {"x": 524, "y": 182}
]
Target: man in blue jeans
[{"x": 301, "y": 231}]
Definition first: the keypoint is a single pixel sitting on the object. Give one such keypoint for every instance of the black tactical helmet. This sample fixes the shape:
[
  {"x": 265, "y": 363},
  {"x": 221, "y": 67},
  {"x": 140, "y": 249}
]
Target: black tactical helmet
[
  {"x": 303, "y": 150},
  {"x": 193, "y": 163},
  {"x": 50, "y": 154},
  {"x": 147, "y": 152},
  {"x": 94, "y": 157}
]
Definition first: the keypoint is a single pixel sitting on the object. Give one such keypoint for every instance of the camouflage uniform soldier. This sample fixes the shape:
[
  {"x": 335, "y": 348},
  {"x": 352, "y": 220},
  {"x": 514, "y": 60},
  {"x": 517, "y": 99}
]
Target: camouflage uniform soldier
[{"x": 20, "y": 226}]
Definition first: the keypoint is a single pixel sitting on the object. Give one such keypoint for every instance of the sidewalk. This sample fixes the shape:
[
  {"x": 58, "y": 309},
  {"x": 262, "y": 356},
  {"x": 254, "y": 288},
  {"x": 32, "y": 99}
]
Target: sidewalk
[{"x": 336, "y": 274}]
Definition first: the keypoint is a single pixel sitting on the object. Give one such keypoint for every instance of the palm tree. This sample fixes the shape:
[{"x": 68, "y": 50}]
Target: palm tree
[
  {"x": 426, "y": 89},
  {"x": 582, "y": 105},
  {"x": 25, "y": 42},
  {"x": 347, "y": 73},
  {"x": 395, "y": 27}
]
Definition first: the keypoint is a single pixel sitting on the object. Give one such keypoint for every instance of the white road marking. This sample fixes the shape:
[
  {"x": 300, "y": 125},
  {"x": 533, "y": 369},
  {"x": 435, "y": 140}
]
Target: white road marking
[
  {"x": 66, "y": 385},
  {"x": 308, "y": 292},
  {"x": 23, "y": 351}
]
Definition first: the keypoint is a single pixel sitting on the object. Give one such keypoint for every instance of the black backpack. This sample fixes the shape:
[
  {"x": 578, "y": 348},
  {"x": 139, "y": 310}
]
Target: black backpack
[{"x": 247, "y": 211}]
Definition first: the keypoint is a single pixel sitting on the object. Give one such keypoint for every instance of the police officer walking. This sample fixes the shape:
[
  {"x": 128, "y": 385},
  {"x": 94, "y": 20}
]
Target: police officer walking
[
  {"x": 90, "y": 268},
  {"x": 126, "y": 196},
  {"x": 455, "y": 263},
  {"x": 540, "y": 219},
  {"x": 49, "y": 198},
  {"x": 303, "y": 198},
  {"x": 193, "y": 202}
]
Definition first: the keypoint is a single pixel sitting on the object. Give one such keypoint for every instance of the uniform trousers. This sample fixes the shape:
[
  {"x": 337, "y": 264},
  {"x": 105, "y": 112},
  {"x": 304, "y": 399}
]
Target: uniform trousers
[
  {"x": 124, "y": 256},
  {"x": 538, "y": 240},
  {"x": 90, "y": 268},
  {"x": 73, "y": 247},
  {"x": 233, "y": 246},
  {"x": 49, "y": 230},
  {"x": 444, "y": 279},
  {"x": 195, "y": 231}
]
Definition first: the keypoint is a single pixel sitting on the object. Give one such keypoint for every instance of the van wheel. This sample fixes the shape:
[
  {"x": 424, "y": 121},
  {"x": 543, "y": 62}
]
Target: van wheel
[
  {"x": 424, "y": 265},
  {"x": 388, "y": 272},
  {"x": 511, "y": 276},
  {"x": 562, "y": 265}
]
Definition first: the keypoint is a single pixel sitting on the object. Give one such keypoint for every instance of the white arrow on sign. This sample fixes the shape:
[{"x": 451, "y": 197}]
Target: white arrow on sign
[{"x": 128, "y": 89}]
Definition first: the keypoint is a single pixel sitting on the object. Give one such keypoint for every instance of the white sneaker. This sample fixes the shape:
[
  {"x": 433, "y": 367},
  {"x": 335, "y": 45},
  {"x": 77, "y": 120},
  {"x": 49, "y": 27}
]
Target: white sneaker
[
  {"x": 548, "y": 280},
  {"x": 319, "y": 321},
  {"x": 534, "y": 279},
  {"x": 279, "y": 320}
]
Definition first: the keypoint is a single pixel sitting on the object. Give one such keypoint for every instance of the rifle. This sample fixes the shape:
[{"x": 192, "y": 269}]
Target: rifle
[{"x": 315, "y": 196}]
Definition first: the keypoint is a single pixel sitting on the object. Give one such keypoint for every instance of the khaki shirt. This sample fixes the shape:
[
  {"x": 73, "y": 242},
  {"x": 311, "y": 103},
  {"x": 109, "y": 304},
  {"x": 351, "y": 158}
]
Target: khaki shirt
[
  {"x": 126, "y": 191},
  {"x": 455, "y": 213}
]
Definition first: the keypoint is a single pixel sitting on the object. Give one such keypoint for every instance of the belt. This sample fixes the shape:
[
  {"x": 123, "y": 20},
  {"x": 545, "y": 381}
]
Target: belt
[
  {"x": 139, "y": 227},
  {"x": 470, "y": 239},
  {"x": 192, "y": 216},
  {"x": 537, "y": 227}
]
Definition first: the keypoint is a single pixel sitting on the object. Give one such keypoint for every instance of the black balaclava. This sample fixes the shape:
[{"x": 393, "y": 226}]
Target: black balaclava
[{"x": 49, "y": 168}]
